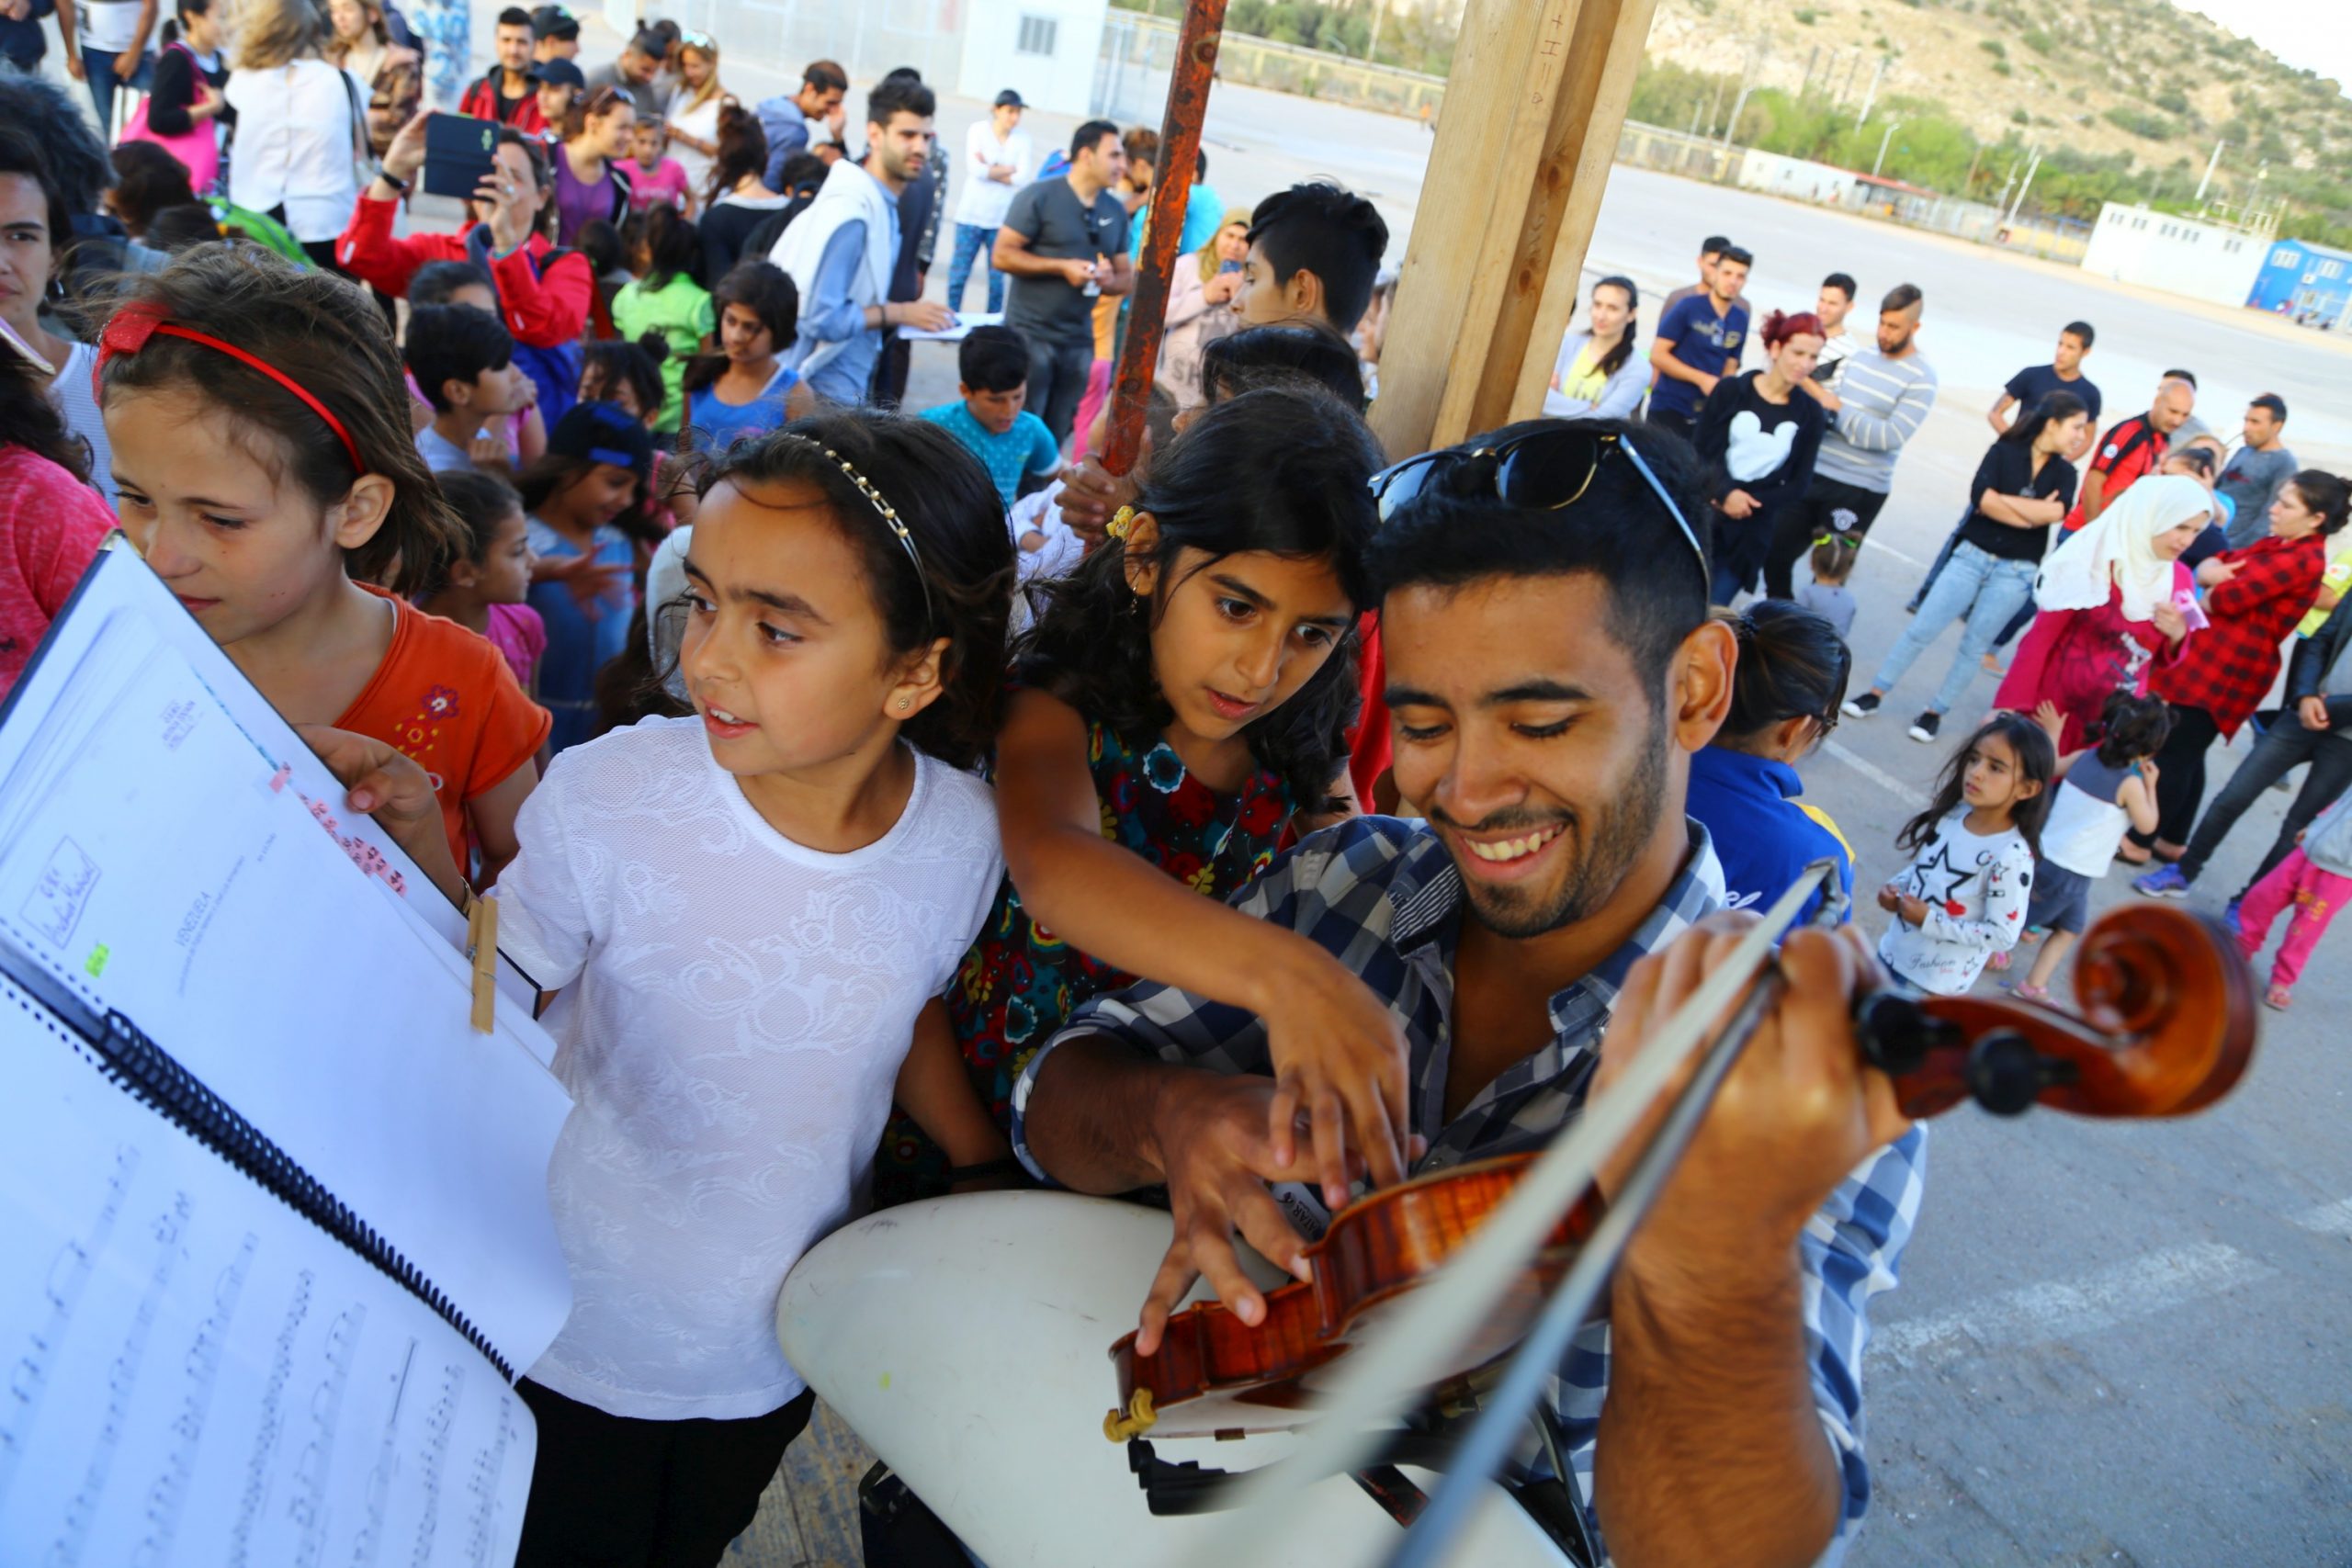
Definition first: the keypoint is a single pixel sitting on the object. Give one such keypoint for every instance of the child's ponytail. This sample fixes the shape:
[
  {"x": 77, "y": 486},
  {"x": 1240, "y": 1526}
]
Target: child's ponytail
[{"x": 331, "y": 396}]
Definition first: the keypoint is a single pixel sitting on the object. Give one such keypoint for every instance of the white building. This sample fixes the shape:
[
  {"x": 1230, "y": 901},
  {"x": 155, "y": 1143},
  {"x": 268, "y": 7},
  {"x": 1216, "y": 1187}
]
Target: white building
[
  {"x": 2215, "y": 262},
  {"x": 1044, "y": 50}
]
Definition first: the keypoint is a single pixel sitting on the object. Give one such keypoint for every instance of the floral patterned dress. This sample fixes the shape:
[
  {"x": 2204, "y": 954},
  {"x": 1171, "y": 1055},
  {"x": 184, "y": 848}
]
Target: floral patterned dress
[{"x": 1020, "y": 980}]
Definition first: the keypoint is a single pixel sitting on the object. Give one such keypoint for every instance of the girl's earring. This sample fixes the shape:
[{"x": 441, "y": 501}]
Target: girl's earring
[{"x": 905, "y": 703}]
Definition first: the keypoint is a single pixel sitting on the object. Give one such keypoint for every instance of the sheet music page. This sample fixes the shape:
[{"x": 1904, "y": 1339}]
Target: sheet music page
[
  {"x": 151, "y": 858},
  {"x": 119, "y": 580},
  {"x": 196, "y": 1374}
]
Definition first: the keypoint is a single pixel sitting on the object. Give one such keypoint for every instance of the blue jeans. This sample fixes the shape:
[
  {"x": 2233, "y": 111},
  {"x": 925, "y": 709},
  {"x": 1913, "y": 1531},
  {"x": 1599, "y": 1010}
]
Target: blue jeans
[
  {"x": 1984, "y": 589},
  {"x": 97, "y": 64},
  {"x": 971, "y": 239}
]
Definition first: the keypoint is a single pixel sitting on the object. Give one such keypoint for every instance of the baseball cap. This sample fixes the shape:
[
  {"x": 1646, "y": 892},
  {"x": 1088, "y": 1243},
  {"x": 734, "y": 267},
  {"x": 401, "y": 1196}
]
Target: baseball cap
[
  {"x": 1009, "y": 99},
  {"x": 563, "y": 72},
  {"x": 603, "y": 433},
  {"x": 556, "y": 22}
]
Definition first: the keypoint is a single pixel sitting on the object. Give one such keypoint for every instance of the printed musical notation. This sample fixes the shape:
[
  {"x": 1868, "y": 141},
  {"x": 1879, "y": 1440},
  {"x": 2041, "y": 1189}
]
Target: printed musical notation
[{"x": 244, "y": 1390}]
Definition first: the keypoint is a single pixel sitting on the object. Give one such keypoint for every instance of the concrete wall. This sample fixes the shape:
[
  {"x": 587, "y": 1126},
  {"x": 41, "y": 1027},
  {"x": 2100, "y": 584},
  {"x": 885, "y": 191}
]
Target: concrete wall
[
  {"x": 1044, "y": 50},
  {"x": 1800, "y": 178},
  {"x": 2159, "y": 249}
]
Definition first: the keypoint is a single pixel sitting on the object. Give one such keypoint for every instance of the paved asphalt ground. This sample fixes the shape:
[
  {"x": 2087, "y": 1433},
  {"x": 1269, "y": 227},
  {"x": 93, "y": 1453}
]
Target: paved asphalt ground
[{"x": 2113, "y": 1344}]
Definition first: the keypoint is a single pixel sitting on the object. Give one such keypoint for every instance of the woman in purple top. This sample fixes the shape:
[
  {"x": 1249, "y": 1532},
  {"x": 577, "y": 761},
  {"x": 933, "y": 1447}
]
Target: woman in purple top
[{"x": 590, "y": 181}]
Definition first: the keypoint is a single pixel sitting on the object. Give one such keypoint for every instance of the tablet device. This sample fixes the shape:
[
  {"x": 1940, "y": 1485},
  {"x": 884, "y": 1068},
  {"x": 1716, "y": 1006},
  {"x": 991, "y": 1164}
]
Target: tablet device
[{"x": 456, "y": 154}]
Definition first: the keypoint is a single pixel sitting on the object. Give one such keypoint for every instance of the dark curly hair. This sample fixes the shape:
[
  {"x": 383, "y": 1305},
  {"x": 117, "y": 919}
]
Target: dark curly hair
[
  {"x": 27, "y": 419},
  {"x": 1280, "y": 470},
  {"x": 964, "y": 592}
]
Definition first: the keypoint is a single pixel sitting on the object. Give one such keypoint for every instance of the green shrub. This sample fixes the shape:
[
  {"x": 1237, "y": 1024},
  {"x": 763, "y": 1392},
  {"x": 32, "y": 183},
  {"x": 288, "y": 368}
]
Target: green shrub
[
  {"x": 2039, "y": 41},
  {"x": 1995, "y": 48}
]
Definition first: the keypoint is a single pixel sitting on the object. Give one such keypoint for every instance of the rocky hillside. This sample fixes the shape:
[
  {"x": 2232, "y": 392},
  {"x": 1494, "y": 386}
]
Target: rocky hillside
[{"x": 2101, "y": 78}]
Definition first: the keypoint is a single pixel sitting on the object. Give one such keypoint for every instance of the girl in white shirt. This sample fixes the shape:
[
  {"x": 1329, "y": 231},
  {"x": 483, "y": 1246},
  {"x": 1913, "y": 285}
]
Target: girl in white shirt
[
  {"x": 301, "y": 126},
  {"x": 745, "y": 911},
  {"x": 1963, "y": 897}
]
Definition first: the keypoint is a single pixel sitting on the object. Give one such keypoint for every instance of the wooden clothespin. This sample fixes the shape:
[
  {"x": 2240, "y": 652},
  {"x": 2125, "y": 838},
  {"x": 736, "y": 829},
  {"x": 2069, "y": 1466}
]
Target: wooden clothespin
[{"x": 481, "y": 946}]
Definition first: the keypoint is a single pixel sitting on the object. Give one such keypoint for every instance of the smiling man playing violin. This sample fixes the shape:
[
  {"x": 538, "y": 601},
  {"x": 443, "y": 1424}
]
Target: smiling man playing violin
[{"x": 1551, "y": 668}]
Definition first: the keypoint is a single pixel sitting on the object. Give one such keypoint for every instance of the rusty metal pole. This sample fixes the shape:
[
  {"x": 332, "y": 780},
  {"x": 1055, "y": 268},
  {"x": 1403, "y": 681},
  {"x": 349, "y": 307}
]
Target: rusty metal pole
[{"x": 1180, "y": 146}]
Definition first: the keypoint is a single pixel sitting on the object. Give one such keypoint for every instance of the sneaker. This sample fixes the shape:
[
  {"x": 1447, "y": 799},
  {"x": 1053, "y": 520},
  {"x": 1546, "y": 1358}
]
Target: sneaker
[
  {"x": 1924, "y": 727},
  {"x": 2165, "y": 882},
  {"x": 1862, "y": 706},
  {"x": 2229, "y": 919}
]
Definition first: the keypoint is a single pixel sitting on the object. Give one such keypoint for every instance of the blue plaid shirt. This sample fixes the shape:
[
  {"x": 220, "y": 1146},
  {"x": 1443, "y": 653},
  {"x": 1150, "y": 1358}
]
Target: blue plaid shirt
[{"x": 1381, "y": 897}]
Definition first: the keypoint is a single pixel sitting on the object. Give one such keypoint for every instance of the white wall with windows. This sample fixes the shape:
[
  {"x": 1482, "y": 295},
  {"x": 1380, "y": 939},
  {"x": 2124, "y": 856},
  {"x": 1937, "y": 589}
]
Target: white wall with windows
[
  {"x": 2215, "y": 262},
  {"x": 1044, "y": 50}
]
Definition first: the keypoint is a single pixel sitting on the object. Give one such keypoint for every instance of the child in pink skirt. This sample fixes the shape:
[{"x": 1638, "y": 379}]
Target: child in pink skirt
[{"x": 2316, "y": 878}]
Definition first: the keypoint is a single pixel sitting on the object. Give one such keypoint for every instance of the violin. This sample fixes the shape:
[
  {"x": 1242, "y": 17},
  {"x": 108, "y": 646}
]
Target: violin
[{"x": 2167, "y": 1027}]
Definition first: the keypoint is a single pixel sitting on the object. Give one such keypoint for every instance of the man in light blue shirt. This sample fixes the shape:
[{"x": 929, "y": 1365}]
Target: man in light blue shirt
[
  {"x": 839, "y": 253},
  {"x": 788, "y": 118}
]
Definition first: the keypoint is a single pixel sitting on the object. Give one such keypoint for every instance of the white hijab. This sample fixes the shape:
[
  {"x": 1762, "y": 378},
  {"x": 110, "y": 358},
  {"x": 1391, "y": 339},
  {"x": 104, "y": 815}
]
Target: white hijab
[{"x": 2114, "y": 550}]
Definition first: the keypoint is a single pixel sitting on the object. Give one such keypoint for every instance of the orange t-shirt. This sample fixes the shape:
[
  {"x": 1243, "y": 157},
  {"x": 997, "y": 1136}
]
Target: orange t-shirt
[{"x": 448, "y": 700}]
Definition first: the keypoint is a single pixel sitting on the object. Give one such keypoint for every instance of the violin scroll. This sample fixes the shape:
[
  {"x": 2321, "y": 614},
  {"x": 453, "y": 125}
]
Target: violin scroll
[{"x": 2167, "y": 1027}]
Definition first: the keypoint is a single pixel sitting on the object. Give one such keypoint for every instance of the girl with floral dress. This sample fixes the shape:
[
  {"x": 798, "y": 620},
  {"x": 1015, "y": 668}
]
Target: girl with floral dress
[{"x": 1180, "y": 701}]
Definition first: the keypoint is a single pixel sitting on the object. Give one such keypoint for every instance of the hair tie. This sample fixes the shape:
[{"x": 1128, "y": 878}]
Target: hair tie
[
  {"x": 130, "y": 328},
  {"x": 1122, "y": 522}
]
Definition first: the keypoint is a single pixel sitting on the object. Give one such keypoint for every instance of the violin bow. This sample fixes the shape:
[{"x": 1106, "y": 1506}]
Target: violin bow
[{"x": 1382, "y": 1382}]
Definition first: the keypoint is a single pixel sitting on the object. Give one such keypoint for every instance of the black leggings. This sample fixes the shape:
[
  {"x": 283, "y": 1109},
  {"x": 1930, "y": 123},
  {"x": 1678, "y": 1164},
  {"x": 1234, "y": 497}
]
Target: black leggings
[
  {"x": 2286, "y": 744},
  {"x": 619, "y": 1492},
  {"x": 2181, "y": 775}
]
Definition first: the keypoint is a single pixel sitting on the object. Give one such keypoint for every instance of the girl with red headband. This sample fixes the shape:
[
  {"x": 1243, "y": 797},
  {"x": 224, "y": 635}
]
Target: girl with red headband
[{"x": 267, "y": 473}]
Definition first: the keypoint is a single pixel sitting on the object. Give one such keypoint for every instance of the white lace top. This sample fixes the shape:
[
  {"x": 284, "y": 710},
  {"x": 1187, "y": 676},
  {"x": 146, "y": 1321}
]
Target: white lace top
[{"x": 735, "y": 1010}]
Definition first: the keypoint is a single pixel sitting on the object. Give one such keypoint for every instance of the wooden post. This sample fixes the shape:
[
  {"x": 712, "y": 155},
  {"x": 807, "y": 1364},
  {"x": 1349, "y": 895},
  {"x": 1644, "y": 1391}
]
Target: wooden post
[{"x": 1522, "y": 152}]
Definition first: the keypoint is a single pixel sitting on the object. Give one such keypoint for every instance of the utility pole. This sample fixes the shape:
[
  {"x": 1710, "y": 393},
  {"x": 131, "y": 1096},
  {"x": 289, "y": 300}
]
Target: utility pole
[
  {"x": 2210, "y": 164},
  {"x": 1756, "y": 55},
  {"x": 1968, "y": 185},
  {"x": 1891, "y": 127},
  {"x": 2029, "y": 170},
  {"x": 1379, "y": 14},
  {"x": 1854, "y": 71},
  {"x": 1871, "y": 96},
  {"x": 1714, "y": 102},
  {"x": 1811, "y": 61}
]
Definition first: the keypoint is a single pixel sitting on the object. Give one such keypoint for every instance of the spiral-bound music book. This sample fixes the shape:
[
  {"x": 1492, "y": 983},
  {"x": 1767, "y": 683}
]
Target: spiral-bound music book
[{"x": 273, "y": 1227}]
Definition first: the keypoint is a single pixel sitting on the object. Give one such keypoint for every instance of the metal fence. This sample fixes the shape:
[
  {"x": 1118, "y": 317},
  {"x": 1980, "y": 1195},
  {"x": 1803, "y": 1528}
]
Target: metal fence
[
  {"x": 1710, "y": 159},
  {"x": 1131, "y": 82},
  {"x": 868, "y": 36}
]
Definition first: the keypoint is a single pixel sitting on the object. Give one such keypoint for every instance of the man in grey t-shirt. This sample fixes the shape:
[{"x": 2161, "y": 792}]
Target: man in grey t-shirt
[
  {"x": 1064, "y": 244},
  {"x": 2255, "y": 471}
]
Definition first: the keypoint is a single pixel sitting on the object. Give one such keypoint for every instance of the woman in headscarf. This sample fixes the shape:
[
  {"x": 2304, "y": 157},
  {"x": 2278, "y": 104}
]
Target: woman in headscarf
[
  {"x": 1200, "y": 289},
  {"x": 2113, "y": 601}
]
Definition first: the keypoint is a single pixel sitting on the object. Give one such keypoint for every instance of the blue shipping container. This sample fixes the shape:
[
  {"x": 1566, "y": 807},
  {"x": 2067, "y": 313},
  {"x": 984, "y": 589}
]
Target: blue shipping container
[{"x": 2304, "y": 283}]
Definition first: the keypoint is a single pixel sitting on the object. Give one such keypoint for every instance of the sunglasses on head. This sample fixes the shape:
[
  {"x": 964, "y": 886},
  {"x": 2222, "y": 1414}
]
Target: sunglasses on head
[{"x": 1545, "y": 470}]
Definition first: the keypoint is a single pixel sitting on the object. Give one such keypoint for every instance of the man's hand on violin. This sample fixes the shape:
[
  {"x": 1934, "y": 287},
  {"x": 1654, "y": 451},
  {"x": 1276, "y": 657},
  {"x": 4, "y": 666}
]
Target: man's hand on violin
[
  {"x": 1796, "y": 1114},
  {"x": 1210, "y": 1134}
]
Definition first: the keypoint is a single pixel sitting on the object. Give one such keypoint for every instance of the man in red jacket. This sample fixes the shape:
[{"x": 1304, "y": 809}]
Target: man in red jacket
[{"x": 507, "y": 93}]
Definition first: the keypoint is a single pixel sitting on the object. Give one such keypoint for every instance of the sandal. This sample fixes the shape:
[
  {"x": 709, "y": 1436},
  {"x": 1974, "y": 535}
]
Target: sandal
[
  {"x": 2030, "y": 992},
  {"x": 1999, "y": 962},
  {"x": 2275, "y": 999}
]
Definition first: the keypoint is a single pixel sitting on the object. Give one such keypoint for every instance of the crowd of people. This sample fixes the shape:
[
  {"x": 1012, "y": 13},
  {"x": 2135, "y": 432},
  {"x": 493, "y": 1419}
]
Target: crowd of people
[{"x": 906, "y": 801}]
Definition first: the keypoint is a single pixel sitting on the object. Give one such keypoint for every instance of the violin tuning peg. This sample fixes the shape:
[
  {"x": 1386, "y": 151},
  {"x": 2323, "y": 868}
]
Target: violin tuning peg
[
  {"x": 2007, "y": 1074},
  {"x": 1896, "y": 1034}
]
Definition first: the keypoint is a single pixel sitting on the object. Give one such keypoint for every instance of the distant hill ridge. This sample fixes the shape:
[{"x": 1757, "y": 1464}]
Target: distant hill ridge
[{"x": 2137, "y": 90}]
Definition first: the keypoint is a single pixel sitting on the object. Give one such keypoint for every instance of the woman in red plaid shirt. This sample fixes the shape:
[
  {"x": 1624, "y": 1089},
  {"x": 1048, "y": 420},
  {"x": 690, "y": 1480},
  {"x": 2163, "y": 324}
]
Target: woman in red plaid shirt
[{"x": 2257, "y": 595}]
